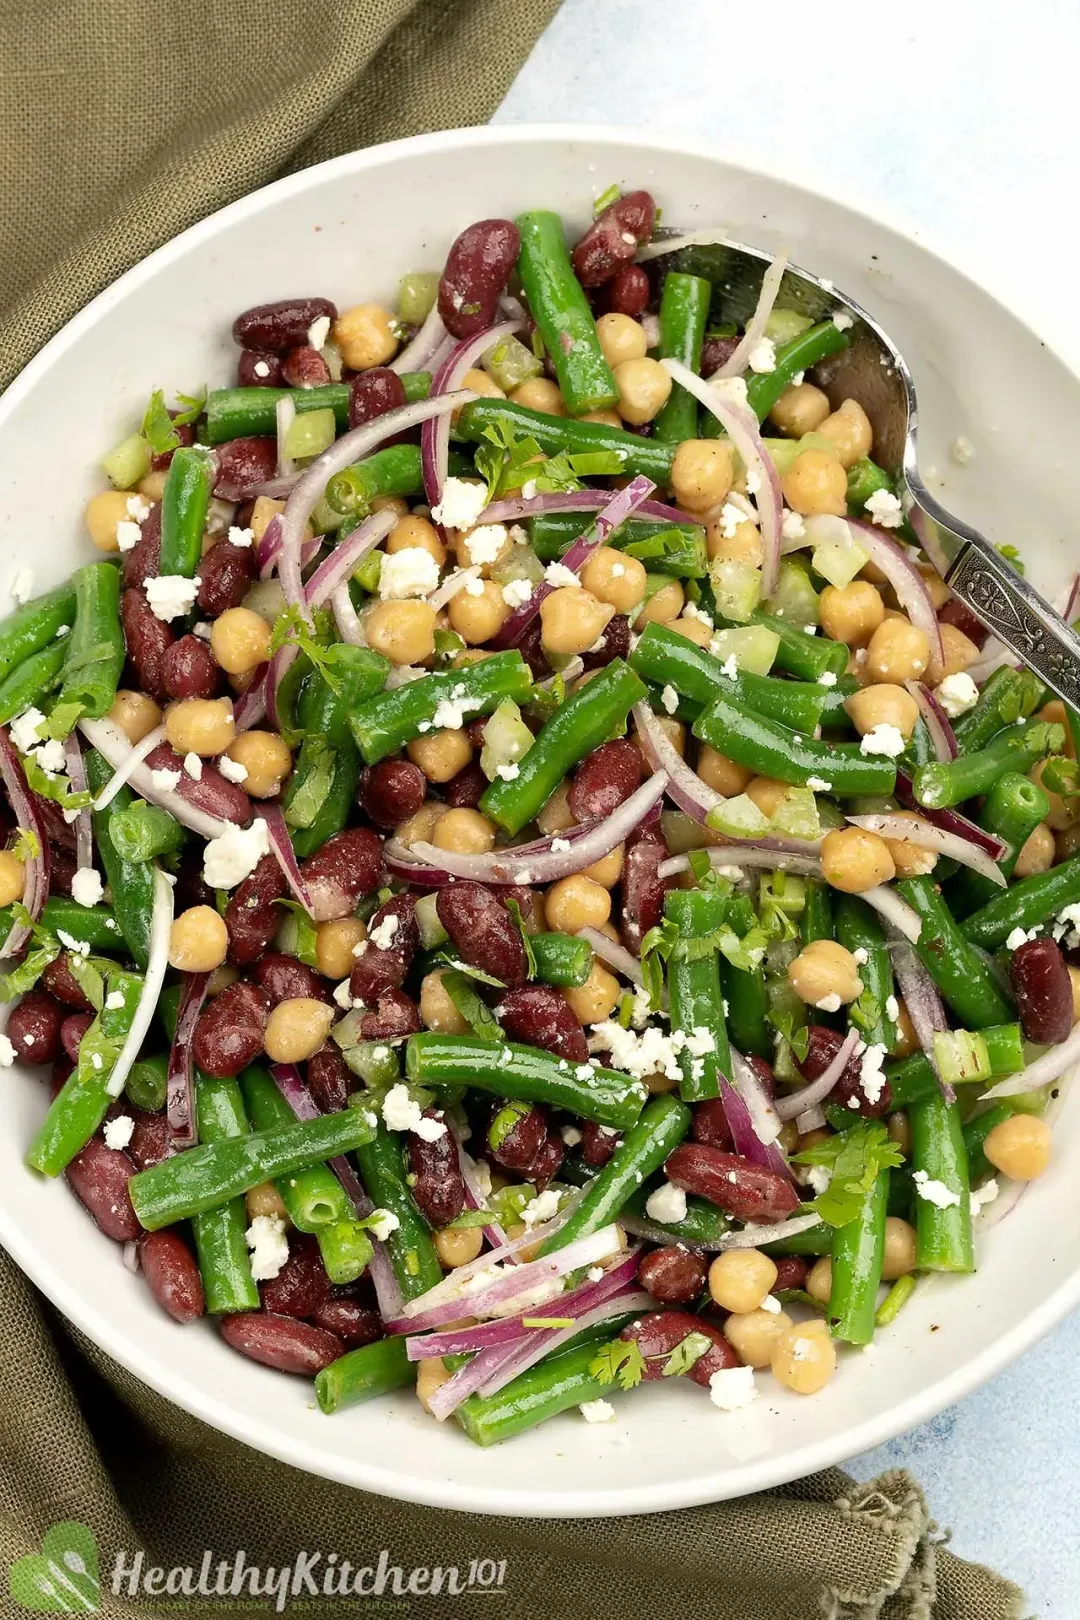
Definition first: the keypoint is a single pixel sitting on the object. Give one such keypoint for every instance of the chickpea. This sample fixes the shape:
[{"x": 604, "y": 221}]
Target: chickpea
[
  {"x": 1019, "y": 1147},
  {"x": 621, "y": 338},
  {"x": 1036, "y": 852},
  {"x": 643, "y": 386},
  {"x": 767, "y": 793},
  {"x": 720, "y": 773},
  {"x": 577, "y": 902},
  {"x": 663, "y": 605},
  {"x": 202, "y": 726},
  {"x": 334, "y": 943},
  {"x": 432, "y": 1374},
  {"x": 12, "y": 878},
  {"x": 800, "y": 409},
  {"x": 608, "y": 418},
  {"x": 853, "y": 860},
  {"x": 1061, "y": 813},
  {"x": 824, "y": 972},
  {"x": 1074, "y": 980},
  {"x": 899, "y": 1129},
  {"x": 437, "y": 1011},
  {"x": 897, "y": 651},
  {"x": 265, "y": 1199},
  {"x": 906, "y": 1039},
  {"x": 597, "y": 998},
  {"x": 789, "y": 1137},
  {"x": 456, "y": 1246},
  {"x": 753, "y": 1335},
  {"x": 555, "y": 817},
  {"x": 263, "y": 511},
  {"x": 899, "y": 1249},
  {"x": 296, "y": 1029},
  {"x": 883, "y": 705},
  {"x": 240, "y": 640},
  {"x": 702, "y": 473},
  {"x": 265, "y": 757},
  {"x": 614, "y": 578},
  {"x": 103, "y": 512},
  {"x": 153, "y": 485},
  {"x": 694, "y": 630},
  {"x": 404, "y": 632},
  {"x": 441, "y": 754},
  {"x": 908, "y": 859},
  {"x": 464, "y": 832},
  {"x": 608, "y": 869},
  {"x": 658, "y": 1083},
  {"x": 739, "y": 1279},
  {"x": 851, "y": 613},
  {"x": 803, "y": 1359},
  {"x": 477, "y": 618},
  {"x": 136, "y": 715},
  {"x": 540, "y": 394},
  {"x": 815, "y": 482},
  {"x": 482, "y": 382},
  {"x": 198, "y": 940},
  {"x": 572, "y": 619},
  {"x": 819, "y": 1280},
  {"x": 412, "y": 531},
  {"x": 745, "y": 545},
  {"x": 420, "y": 827},
  {"x": 958, "y": 650},
  {"x": 365, "y": 336},
  {"x": 849, "y": 429}
]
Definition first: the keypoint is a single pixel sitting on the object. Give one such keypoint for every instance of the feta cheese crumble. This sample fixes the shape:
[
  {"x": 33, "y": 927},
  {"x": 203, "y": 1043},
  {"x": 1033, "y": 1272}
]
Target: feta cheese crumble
[
  {"x": 732, "y": 1389},
  {"x": 231, "y": 769},
  {"x": 983, "y": 1195},
  {"x": 1017, "y": 938},
  {"x": 871, "y": 1073},
  {"x": 240, "y": 537},
  {"x": 597, "y": 1411},
  {"x": 384, "y": 933},
  {"x": 508, "y": 773},
  {"x": 462, "y": 503},
  {"x": 24, "y": 730},
  {"x": 762, "y": 357},
  {"x": 830, "y": 1003},
  {"x": 165, "y": 781},
  {"x": 934, "y": 1192},
  {"x": 381, "y": 1223},
  {"x": 128, "y": 535},
  {"x": 171, "y": 595},
  {"x": 409, "y": 572},
  {"x": 957, "y": 694},
  {"x": 842, "y": 320},
  {"x": 516, "y": 592},
  {"x": 884, "y": 508},
  {"x": 119, "y": 1131},
  {"x": 883, "y": 739},
  {"x": 485, "y": 543},
  {"x": 450, "y": 711},
  {"x": 230, "y": 858},
  {"x": 403, "y": 1113},
  {"x": 193, "y": 766},
  {"x": 269, "y": 1246},
  {"x": 793, "y": 526},
  {"x": 816, "y": 784},
  {"x": 86, "y": 887},
  {"x": 667, "y": 1204},
  {"x": 114, "y": 1000},
  {"x": 670, "y": 699},
  {"x": 557, "y": 574}
]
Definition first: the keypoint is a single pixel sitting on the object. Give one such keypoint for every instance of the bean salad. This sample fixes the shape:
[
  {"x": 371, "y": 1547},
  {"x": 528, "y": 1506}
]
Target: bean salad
[{"x": 520, "y": 880}]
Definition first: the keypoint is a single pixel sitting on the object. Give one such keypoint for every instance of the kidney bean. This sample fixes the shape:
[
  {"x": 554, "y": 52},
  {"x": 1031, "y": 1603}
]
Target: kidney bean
[
  {"x": 614, "y": 642},
  {"x": 710, "y": 1125},
  {"x": 823, "y": 1045},
  {"x": 545, "y": 1167},
  {"x": 605, "y": 779},
  {"x": 357, "y": 1324},
  {"x": 280, "y": 326},
  {"x": 72, "y": 1030},
  {"x": 395, "y": 1015},
  {"x": 791, "y": 1272},
  {"x": 244, "y": 464},
  {"x": 61, "y": 1069},
  {"x": 151, "y": 1140},
  {"x": 531, "y": 648},
  {"x": 540, "y": 1016},
  {"x": 391, "y": 792},
  {"x": 373, "y": 393},
  {"x": 251, "y": 916},
  {"x": 465, "y": 790},
  {"x": 227, "y": 573},
  {"x": 346, "y": 869},
  {"x": 62, "y": 868},
  {"x": 143, "y": 560},
  {"x": 484, "y": 933},
  {"x": 147, "y": 639},
  {"x": 304, "y": 367},
  {"x": 715, "y": 351},
  {"x": 643, "y": 890},
  {"x": 169, "y": 1268},
  {"x": 258, "y": 368},
  {"x": 281, "y": 1342},
  {"x": 674, "y": 1275},
  {"x": 378, "y": 967},
  {"x": 750, "y": 1192},
  {"x": 629, "y": 291},
  {"x": 438, "y": 1188},
  {"x": 191, "y": 888},
  {"x": 301, "y": 1285},
  {"x": 518, "y": 1148},
  {"x": 598, "y": 1143},
  {"x": 959, "y": 615},
  {"x": 229, "y": 1033},
  {"x": 98, "y": 1176},
  {"x": 1043, "y": 991},
  {"x": 285, "y": 977},
  {"x": 190, "y": 670},
  {"x": 211, "y": 792},
  {"x": 185, "y": 434},
  {"x": 477, "y": 269},
  {"x": 59, "y": 981},
  {"x": 612, "y": 240},
  {"x": 329, "y": 1078},
  {"x": 658, "y": 1333}
]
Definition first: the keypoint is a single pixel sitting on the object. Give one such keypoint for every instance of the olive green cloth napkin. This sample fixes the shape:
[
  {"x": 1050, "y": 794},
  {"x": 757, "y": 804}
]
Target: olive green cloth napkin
[{"x": 122, "y": 122}]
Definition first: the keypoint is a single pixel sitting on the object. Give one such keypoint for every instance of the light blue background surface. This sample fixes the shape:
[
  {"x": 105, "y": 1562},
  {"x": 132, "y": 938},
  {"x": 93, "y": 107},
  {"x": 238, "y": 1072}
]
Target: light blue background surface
[{"x": 954, "y": 117}]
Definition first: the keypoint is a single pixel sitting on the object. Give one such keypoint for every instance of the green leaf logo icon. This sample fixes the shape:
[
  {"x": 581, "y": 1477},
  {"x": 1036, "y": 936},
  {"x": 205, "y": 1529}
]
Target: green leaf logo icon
[{"x": 63, "y": 1577}]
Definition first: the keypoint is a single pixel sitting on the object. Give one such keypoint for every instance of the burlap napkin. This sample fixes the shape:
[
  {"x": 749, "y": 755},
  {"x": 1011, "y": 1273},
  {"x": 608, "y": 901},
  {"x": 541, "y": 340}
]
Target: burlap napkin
[{"x": 122, "y": 122}]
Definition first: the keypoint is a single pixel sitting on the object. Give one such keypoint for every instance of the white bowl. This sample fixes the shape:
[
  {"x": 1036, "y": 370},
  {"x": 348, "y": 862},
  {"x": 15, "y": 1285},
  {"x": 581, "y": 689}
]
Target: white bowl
[{"x": 348, "y": 229}]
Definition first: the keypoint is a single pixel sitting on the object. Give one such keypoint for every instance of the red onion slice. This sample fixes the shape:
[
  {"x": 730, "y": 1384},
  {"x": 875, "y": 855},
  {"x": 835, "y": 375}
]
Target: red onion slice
[
  {"x": 764, "y": 1118},
  {"x": 282, "y": 848},
  {"x": 161, "y": 919},
  {"x": 749, "y": 1237},
  {"x": 126, "y": 769},
  {"x": 76, "y": 772},
  {"x": 270, "y": 544},
  {"x": 346, "y": 618},
  {"x": 895, "y": 910},
  {"x": 741, "y": 426},
  {"x": 180, "y": 1085},
  {"x": 435, "y": 434},
  {"x": 739, "y": 359},
  {"x": 285, "y": 415},
  {"x": 936, "y": 721},
  {"x": 346, "y": 557},
  {"x": 750, "y": 855},
  {"x": 924, "y": 835},
  {"x": 909, "y": 585},
  {"x": 951, "y": 821},
  {"x": 516, "y": 508},
  {"x": 250, "y": 706},
  {"x": 798, "y": 1103},
  {"x": 26, "y": 813},
  {"x": 924, "y": 1005},
  {"x": 114, "y": 747},
  {"x": 451, "y": 585},
  {"x": 615, "y": 955},
  {"x": 429, "y": 339},
  {"x": 474, "y": 1199}
]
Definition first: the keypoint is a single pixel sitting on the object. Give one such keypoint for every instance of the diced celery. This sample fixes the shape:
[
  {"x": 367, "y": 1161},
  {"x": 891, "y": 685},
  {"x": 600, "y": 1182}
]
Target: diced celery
[
  {"x": 367, "y": 575},
  {"x": 783, "y": 890},
  {"x": 795, "y": 599},
  {"x": 416, "y": 296},
  {"x": 432, "y": 932},
  {"x": 830, "y": 816},
  {"x": 796, "y": 815},
  {"x": 961, "y": 1056},
  {"x": 682, "y": 832},
  {"x": 127, "y": 462},
  {"x": 520, "y": 562},
  {"x": 820, "y": 441},
  {"x": 267, "y": 599},
  {"x": 324, "y": 520},
  {"x": 447, "y": 646},
  {"x": 511, "y": 363},
  {"x": 837, "y": 555},
  {"x": 310, "y": 433},
  {"x": 506, "y": 739},
  {"x": 738, "y": 817},
  {"x": 375, "y": 1062},
  {"x": 782, "y": 453},
  {"x": 754, "y": 647},
  {"x": 736, "y": 587},
  {"x": 785, "y": 324}
]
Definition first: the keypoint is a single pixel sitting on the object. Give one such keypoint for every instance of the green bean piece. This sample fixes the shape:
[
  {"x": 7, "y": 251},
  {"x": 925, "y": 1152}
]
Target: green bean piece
[
  {"x": 361, "y": 1375},
  {"x": 663, "y": 1124},
  {"x": 525, "y": 1074},
  {"x": 386, "y": 723},
  {"x": 146, "y": 1084},
  {"x": 770, "y": 749},
  {"x": 746, "y": 997},
  {"x": 82, "y": 1102},
  {"x": 817, "y": 918},
  {"x": 142, "y": 831},
  {"x": 684, "y": 309},
  {"x": 34, "y": 626},
  {"x": 345, "y": 1249},
  {"x": 943, "y": 1240},
  {"x": 31, "y": 681},
  {"x": 556, "y": 434},
  {"x": 858, "y": 1254},
  {"x": 131, "y": 883},
  {"x": 703, "y": 1222},
  {"x": 999, "y": 704},
  {"x": 539, "y": 1393},
  {"x": 806, "y": 657},
  {"x": 694, "y": 995},
  {"x": 313, "y": 1196},
  {"x": 1027, "y": 904},
  {"x": 203, "y": 1177},
  {"x": 95, "y": 647},
  {"x": 93, "y": 926},
  {"x": 410, "y": 1246},
  {"x": 589, "y": 717},
  {"x": 942, "y": 784},
  {"x": 858, "y": 929},
  {"x": 797, "y": 354},
  {"x": 395, "y": 471},
  {"x": 895, "y": 1300},
  {"x": 241, "y": 413},
  {"x": 322, "y": 787},
  {"x": 220, "y": 1240},
  {"x": 1012, "y": 809},
  {"x": 817, "y": 1240},
  {"x": 561, "y": 311},
  {"x": 561, "y": 960},
  {"x": 674, "y": 549},
  {"x": 184, "y": 505},
  {"x": 669, "y": 659},
  {"x": 959, "y": 972},
  {"x": 864, "y": 479},
  {"x": 834, "y": 714}
]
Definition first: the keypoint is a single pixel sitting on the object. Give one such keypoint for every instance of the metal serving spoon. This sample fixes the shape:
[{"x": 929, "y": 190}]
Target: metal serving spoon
[{"x": 873, "y": 372}]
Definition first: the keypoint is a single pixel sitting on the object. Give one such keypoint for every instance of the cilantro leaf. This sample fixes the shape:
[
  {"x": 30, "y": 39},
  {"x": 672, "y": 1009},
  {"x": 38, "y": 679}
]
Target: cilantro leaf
[
  {"x": 445, "y": 958},
  {"x": 476, "y": 1013},
  {"x": 191, "y": 408},
  {"x": 158, "y": 428},
  {"x": 1061, "y": 775},
  {"x": 620, "y": 1362},
  {"x": 27, "y": 846},
  {"x": 51, "y": 785},
  {"x": 605, "y": 200},
  {"x": 530, "y": 955},
  {"x": 781, "y": 898},
  {"x": 686, "y": 1354},
  {"x": 291, "y": 629},
  {"x": 1011, "y": 555},
  {"x": 855, "y": 1158}
]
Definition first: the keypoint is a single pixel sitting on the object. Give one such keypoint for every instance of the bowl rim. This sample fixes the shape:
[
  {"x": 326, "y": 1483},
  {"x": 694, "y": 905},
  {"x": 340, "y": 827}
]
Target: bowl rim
[{"x": 365, "y": 1473}]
